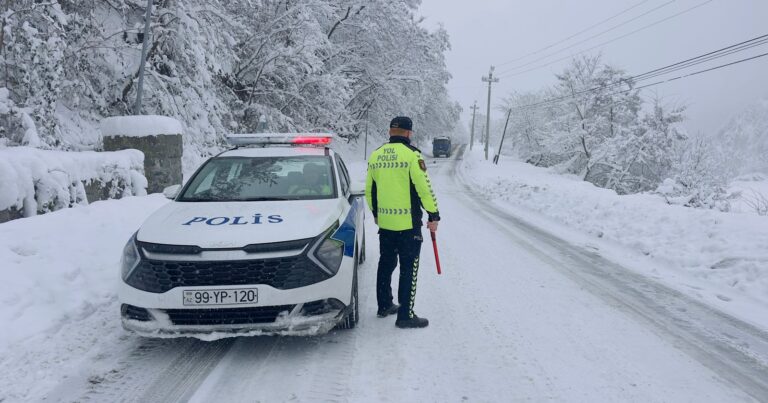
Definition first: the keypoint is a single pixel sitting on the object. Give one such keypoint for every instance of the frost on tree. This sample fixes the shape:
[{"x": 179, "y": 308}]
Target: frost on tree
[
  {"x": 218, "y": 66},
  {"x": 598, "y": 128}
]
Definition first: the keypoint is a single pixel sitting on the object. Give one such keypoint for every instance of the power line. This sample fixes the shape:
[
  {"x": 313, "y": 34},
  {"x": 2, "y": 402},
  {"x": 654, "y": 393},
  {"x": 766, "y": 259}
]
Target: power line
[
  {"x": 739, "y": 47},
  {"x": 509, "y": 74},
  {"x": 589, "y": 38},
  {"x": 710, "y": 58},
  {"x": 556, "y": 100},
  {"x": 576, "y": 34},
  {"x": 717, "y": 54}
]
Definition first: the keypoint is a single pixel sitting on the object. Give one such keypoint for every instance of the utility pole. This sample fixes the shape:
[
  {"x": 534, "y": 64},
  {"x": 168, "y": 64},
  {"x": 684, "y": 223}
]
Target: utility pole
[
  {"x": 472, "y": 132},
  {"x": 490, "y": 80},
  {"x": 365, "y": 150},
  {"x": 503, "y": 134},
  {"x": 144, "y": 49}
]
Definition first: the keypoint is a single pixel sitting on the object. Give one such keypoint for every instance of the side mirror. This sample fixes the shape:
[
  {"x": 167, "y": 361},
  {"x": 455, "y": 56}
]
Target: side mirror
[
  {"x": 357, "y": 189},
  {"x": 171, "y": 191}
]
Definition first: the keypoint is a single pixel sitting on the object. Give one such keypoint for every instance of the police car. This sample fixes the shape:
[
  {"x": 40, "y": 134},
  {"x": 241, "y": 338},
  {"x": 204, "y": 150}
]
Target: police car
[{"x": 264, "y": 238}]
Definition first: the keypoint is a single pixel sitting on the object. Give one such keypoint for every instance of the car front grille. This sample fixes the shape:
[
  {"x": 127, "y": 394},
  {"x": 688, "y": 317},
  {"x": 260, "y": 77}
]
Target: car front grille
[
  {"x": 158, "y": 276},
  {"x": 226, "y": 316}
]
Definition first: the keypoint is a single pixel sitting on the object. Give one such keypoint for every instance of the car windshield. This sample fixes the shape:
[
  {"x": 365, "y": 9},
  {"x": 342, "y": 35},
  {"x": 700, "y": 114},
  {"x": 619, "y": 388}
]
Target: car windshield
[
  {"x": 441, "y": 142},
  {"x": 262, "y": 178}
]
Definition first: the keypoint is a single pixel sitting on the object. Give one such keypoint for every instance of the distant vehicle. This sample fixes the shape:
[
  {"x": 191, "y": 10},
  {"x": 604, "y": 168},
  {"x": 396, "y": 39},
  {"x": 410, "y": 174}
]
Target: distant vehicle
[
  {"x": 265, "y": 238},
  {"x": 441, "y": 146}
]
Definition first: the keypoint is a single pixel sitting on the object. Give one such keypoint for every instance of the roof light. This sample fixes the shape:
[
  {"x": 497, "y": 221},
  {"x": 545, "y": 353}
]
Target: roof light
[{"x": 311, "y": 139}]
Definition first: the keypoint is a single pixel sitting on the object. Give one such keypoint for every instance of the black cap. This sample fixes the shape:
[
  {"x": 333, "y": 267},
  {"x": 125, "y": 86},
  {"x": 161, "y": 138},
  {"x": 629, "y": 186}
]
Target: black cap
[{"x": 401, "y": 122}]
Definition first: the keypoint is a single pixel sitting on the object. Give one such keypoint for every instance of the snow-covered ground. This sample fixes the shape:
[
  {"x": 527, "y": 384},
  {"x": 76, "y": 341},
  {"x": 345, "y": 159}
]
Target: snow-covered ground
[
  {"x": 59, "y": 267},
  {"x": 719, "y": 257},
  {"x": 752, "y": 191},
  {"x": 58, "y": 295},
  {"x": 518, "y": 315}
]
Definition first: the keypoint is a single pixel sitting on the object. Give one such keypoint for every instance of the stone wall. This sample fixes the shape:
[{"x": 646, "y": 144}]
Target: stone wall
[
  {"x": 94, "y": 191},
  {"x": 36, "y": 181},
  {"x": 10, "y": 214},
  {"x": 162, "y": 157}
]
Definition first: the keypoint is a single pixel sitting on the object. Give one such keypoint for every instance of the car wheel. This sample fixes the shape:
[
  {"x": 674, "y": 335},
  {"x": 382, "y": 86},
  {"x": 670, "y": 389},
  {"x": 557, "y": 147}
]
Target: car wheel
[{"x": 353, "y": 316}]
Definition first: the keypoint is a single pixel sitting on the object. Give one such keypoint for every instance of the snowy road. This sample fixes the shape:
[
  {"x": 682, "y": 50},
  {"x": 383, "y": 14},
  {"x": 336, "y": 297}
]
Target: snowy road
[{"x": 518, "y": 315}]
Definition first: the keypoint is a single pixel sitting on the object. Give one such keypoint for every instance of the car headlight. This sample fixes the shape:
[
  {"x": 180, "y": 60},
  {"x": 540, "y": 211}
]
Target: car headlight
[
  {"x": 130, "y": 258},
  {"x": 328, "y": 252}
]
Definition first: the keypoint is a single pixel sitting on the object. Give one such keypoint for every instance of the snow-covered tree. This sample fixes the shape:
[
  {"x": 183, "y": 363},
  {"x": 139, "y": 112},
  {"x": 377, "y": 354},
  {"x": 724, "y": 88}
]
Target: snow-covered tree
[
  {"x": 219, "y": 66},
  {"x": 599, "y": 109},
  {"x": 591, "y": 123},
  {"x": 699, "y": 175},
  {"x": 32, "y": 54},
  {"x": 640, "y": 160},
  {"x": 526, "y": 132},
  {"x": 746, "y": 135}
]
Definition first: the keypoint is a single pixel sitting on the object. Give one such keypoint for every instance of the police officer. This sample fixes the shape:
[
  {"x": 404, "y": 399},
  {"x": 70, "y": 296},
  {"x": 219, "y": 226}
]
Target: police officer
[
  {"x": 313, "y": 183},
  {"x": 397, "y": 187}
]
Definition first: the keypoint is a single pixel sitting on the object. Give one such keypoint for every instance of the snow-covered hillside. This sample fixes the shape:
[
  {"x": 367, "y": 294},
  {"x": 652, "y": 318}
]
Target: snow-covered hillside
[
  {"x": 717, "y": 256},
  {"x": 746, "y": 136}
]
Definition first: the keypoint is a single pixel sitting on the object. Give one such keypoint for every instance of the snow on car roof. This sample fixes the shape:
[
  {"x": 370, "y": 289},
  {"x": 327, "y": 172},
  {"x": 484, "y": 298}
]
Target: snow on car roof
[{"x": 274, "y": 151}]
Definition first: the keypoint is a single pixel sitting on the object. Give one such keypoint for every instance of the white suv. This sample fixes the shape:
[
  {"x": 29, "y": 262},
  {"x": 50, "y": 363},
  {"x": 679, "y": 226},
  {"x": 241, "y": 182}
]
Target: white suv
[{"x": 265, "y": 238}]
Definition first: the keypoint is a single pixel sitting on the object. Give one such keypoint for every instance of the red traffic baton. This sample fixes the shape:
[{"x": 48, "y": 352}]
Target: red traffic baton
[{"x": 434, "y": 247}]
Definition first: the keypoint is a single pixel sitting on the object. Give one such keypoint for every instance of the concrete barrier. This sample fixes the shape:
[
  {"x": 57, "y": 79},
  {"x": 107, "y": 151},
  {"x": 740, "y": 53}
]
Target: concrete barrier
[{"x": 158, "y": 137}]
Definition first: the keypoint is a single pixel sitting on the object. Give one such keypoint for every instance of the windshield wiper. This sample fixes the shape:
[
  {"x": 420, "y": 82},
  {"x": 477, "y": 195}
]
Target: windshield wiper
[
  {"x": 193, "y": 199},
  {"x": 267, "y": 199}
]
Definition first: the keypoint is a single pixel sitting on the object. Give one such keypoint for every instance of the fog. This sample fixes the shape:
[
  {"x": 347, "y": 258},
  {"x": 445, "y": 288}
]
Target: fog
[{"x": 492, "y": 32}]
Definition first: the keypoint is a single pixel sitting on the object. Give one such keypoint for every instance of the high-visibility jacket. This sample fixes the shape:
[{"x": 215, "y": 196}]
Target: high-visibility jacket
[{"x": 397, "y": 186}]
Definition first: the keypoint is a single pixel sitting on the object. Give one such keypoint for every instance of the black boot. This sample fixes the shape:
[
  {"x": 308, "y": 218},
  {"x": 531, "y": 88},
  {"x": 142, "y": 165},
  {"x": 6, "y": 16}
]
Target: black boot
[
  {"x": 383, "y": 313},
  {"x": 412, "y": 323}
]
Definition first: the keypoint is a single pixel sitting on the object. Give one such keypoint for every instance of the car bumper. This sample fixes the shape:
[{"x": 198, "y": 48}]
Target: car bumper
[
  {"x": 165, "y": 315},
  {"x": 293, "y": 322}
]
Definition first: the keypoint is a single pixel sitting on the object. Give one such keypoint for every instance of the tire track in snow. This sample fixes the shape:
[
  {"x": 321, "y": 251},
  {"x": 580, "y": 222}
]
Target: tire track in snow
[
  {"x": 735, "y": 350},
  {"x": 530, "y": 378},
  {"x": 269, "y": 369},
  {"x": 185, "y": 373},
  {"x": 158, "y": 370}
]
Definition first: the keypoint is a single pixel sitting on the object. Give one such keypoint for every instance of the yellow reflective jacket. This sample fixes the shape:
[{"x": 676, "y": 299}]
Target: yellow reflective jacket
[{"x": 397, "y": 186}]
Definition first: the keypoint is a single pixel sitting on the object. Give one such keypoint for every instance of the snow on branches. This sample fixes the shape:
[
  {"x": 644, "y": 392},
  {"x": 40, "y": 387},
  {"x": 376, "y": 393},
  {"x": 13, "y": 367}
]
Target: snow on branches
[
  {"x": 598, "y": 128},
  {"x": 219, "y": 66}
]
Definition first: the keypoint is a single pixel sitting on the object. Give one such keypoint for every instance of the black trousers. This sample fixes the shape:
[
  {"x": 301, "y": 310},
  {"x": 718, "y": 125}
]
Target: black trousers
[{"x": 405, "y": 245}]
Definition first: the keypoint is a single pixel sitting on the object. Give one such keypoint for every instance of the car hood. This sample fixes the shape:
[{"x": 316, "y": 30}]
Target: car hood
[{"x": 236, "y": 224}]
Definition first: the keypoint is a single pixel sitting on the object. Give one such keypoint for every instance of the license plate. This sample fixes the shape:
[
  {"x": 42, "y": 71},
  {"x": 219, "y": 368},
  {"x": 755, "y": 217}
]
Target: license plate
[{"x": 221, "y": 297}]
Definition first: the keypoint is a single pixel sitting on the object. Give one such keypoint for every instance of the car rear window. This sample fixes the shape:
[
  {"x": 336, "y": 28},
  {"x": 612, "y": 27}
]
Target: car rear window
[{"x": 262, "y": 178}]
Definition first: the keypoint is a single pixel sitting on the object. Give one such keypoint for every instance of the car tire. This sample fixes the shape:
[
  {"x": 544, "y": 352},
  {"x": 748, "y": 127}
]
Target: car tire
[{"x": 350, "y": 320}]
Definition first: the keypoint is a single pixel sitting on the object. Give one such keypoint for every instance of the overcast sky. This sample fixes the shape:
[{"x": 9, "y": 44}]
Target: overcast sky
[{"x": 492, "y": 32}]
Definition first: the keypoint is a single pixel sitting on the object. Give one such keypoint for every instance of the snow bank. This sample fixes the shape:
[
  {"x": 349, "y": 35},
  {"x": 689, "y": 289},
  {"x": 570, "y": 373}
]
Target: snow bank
[
  {"x": 41, "y": 181},
  {"x": 721, "y": 256},
  {"x": 749, "y": 194},
  {"x": 59, "y": 267},
  {"x": 140, "y": 126},
  {"x": 58, "y": 298}
]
